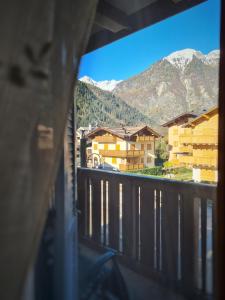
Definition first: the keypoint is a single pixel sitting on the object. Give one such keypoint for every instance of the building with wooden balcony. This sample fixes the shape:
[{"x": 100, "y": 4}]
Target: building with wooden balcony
[
  {"x": 127, "y": 148},
  {"x": 177, "y": 149},
  {"x": 204, "y": 140}
]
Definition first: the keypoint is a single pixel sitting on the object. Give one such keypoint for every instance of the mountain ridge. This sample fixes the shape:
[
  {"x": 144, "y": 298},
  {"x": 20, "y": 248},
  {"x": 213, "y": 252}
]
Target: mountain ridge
[
  {"x": 184, "y": 81},
  {"x": 181, "y": 82}
]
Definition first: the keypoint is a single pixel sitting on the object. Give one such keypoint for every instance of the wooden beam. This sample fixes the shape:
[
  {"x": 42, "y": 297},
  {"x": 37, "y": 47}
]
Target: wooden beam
[
  {"x": 220, "y": 203},
  {"x": 151, "y": 14}
]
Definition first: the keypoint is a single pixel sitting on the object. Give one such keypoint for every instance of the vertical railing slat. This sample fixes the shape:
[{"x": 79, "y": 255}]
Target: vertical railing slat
[
  {"x": 129, "y": 216},
  {"x": 147, "y": 225},
  {"x": 203, "y": 242},
  {"x": 170, "y": 228},
  {"x": 187, "y": 242},
  {"x": 96, "y": 208},
  {"x": 114, "y": 213}
]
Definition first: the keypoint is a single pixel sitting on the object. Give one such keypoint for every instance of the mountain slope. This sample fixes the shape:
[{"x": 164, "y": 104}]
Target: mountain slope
[
  {"x": 184, "y": 81},
  {"x": 102, "y": 108}
]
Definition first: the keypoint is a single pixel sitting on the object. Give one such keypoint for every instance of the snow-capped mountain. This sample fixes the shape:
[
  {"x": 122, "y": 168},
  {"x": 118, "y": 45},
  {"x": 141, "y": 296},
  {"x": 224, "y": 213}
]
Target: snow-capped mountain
[
  {"x": 186, "y": 80},
  {"x": 180, "y": 59},
  {"x": 106, "y": 85}
]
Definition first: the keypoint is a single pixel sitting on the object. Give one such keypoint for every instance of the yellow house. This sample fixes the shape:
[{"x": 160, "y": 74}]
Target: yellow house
[
  {"x": 203, "y": 138},
  {"x": 175, "y": 130},
  {"x": 126, "y": 148}
]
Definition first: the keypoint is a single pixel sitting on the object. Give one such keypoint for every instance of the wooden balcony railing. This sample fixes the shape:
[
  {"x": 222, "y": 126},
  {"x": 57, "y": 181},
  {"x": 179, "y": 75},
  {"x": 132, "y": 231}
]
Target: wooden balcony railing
[
  {"x": 126, "y": 167},
  {"x": 205, "y": 161},
  {"x": 205, "y": 139},
  {"x": 121, "y": 153},
  {"x": 144, "y": 138},
  {"x": 186, "y": 159},
  {"x": 105, "y": 139},
  {"x": 185, "y": 139},
  {"x": 162, "y": 228},
  {"x": 199, "y": 161},
  {"x": 184, "y": 149},
  {"x": 199, "y": 139}
]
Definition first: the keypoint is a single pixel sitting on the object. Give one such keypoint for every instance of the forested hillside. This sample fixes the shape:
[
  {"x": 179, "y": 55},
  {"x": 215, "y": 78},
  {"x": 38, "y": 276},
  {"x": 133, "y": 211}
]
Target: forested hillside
[{"x": 102, "y": 108}]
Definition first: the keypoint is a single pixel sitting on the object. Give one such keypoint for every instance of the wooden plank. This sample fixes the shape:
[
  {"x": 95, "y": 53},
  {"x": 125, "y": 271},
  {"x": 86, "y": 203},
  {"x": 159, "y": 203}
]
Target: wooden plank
[
  {"x": 158, "y": 230},
  {"x": 113, "y": 187},
  {"x": 220, "y": 203},
  {"x": 96, "y": 208},
  {"x": 147, "y": 225},
  {"x": 187, "y": 242},
  {"x": 104, "y": 211},
  {"x": 128, "y": 218},
  {"x": 170, "y": 250},
  {"x": 203, "y": 242}
]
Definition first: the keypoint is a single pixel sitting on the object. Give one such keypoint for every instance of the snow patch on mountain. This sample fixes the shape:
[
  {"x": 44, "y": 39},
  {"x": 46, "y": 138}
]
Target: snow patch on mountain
[
  {"x": 106, "y": 85},
  {"x": 180, "y": 59}
]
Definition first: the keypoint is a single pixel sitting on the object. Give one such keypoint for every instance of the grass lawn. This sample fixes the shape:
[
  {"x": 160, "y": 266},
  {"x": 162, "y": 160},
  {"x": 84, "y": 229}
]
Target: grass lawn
[{"x": 182, "y": 174}]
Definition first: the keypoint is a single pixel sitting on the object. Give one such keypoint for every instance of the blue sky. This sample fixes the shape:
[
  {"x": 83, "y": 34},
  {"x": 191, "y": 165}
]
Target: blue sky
[{"x": 196, "y": 28}]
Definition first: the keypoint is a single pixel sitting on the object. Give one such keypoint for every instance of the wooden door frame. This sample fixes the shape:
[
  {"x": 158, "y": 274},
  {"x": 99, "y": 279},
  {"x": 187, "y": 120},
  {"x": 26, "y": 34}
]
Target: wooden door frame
[{"x": 220, "y": 204}]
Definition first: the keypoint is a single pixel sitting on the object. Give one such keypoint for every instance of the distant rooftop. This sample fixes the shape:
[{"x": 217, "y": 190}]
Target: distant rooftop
[
  {"x": 212, "y": 111},
  {"x": 124, "y": 132},
  {"x": 183, "y": 118}
]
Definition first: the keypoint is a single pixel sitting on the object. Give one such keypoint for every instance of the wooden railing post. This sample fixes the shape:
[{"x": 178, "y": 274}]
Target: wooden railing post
[
  {"x": 187, "y": 242},
  {"x": 114, "y": 213}
]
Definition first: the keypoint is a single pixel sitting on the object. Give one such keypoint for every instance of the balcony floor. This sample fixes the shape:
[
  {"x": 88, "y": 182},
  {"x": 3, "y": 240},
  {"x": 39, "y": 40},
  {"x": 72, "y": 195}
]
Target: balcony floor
[{"x": 139, "y": 287}]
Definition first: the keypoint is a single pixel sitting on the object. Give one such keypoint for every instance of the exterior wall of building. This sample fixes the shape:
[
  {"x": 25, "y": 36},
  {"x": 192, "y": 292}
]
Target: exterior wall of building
[
  {"x": 177, "y": 148},
  {"x": 203, "y": 139},
  {"x": 205, "y": 149},
  {"x": 133, "y": 162}
]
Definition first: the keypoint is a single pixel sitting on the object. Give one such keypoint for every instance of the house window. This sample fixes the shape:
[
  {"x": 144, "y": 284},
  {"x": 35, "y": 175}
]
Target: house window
[
  {"x": 95, "y": 146},
  {"x": 142, "y": 146},
  {"x": 118, "y": 147},
  {"x": 149, "y": 147},
  {"x": 149, "y": 160},
  {"x": 132, "y": 147},
  {"x": 106, "y": 146},
  {"x": 114, "y": 160},
  {"x": 142, "y": 160}
]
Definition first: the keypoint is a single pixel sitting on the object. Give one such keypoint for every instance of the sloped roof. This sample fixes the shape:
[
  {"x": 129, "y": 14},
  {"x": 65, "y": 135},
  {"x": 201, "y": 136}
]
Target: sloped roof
[
  {"x": 123, "y": 132},
  {"x": 179, "y": 118},
  {"x": 202, "y": 117}
]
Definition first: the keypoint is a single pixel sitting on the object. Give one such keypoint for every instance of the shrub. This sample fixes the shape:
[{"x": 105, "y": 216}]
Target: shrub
[
  {"x": 168, "y": 164},
  {"x": 151, "y": 171}
]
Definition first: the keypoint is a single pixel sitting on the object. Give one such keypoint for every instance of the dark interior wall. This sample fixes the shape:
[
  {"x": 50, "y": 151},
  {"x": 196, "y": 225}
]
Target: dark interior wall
[
  {"x": 220, "y": 205},
  {"x": 42, "y": 42}
]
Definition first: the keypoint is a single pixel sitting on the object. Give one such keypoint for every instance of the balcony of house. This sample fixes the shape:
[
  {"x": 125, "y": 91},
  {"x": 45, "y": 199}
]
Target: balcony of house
[
  {"x": 121, "y": 153},
  {"x": 205, "y": 161},
  {"x": 184, "y": 149},
  {"x": 185, "y": 139},
  {"x": 186, "y": 159},
  {"x": 105, "y": 139},
  {"x": 162, "y": 231},
  {"x": 130, "y": 167},
  {"x": 144, "y": 139},
  {"x": 205, "y": 139}
]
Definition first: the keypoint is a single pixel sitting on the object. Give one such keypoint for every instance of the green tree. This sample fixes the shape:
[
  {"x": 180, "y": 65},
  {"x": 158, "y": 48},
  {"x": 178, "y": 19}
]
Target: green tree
[{"x": 161, "y": 150}]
